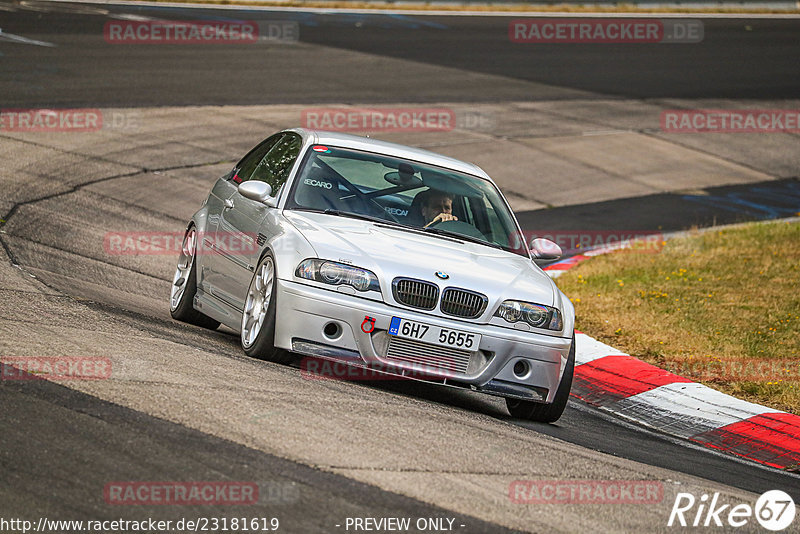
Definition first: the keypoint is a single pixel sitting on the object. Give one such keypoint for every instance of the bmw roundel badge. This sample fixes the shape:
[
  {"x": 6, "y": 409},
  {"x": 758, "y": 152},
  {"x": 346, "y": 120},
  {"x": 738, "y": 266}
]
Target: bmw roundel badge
[{"x": 443, "y": 275}]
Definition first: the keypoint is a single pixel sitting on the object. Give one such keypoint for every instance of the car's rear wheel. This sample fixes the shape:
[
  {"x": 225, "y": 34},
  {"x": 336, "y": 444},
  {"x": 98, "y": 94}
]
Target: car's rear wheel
[
  {"x": 258, "y": 318},
  {"x": 547, "y": 413},
  {"x": 184, "y": 286}
]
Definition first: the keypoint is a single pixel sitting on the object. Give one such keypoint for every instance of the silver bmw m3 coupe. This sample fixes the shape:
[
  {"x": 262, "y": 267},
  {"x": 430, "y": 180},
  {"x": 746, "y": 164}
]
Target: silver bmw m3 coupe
[{"x": 384, "y": 257}]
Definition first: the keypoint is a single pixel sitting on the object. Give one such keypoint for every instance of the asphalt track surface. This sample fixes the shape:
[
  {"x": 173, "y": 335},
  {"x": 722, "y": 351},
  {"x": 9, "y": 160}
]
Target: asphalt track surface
[
  {"x": 65, "y": 435},
  {"x": 738, "y": 58},
  {"x": 53, "y": 435}
]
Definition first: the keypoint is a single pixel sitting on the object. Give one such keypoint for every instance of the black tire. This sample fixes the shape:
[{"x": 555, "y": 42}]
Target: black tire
[
  {"x": 184, "y": 310},
  {"x": 547, "y": 413},
  {"x": 263, "y": 346}
]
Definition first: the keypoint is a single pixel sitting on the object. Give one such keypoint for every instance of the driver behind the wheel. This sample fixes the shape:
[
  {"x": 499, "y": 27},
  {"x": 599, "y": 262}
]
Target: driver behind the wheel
[{"x": 437, "y": 206}]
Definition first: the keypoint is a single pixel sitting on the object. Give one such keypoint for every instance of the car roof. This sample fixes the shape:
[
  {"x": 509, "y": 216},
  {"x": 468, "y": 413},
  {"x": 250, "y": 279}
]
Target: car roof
[{"x": 368, "y": 144}]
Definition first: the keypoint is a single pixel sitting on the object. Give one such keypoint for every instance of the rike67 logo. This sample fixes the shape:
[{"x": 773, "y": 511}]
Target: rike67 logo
[{"x": 774, "y": 510}]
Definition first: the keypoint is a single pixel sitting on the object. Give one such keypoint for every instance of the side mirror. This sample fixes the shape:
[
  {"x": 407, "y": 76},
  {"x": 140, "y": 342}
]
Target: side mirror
[
  {"x": 544, "y": 249},
  {"x": 258, "y": 191}
]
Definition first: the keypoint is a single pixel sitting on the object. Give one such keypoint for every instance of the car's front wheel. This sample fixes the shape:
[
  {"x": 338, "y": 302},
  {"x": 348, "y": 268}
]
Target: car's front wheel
[
  {"x": 547, "y": 413},
  {"x": 184, "y": 286},
  {"x": 258, "y": 318}
]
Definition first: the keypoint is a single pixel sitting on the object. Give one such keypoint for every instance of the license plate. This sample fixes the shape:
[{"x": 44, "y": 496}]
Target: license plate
[{"x": 435, "y": 335}]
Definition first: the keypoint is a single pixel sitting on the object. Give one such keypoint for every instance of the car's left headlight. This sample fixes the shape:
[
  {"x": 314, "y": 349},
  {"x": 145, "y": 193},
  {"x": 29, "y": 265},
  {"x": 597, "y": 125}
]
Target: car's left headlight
[
  {"x": 335, "y": 273},
  {"x": 536, "y": 315}
]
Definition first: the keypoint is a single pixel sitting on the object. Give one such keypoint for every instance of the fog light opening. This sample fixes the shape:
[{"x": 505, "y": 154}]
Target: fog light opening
[
  {"x": 332, "y": 330},
  {"x": 521, "y": 368}
]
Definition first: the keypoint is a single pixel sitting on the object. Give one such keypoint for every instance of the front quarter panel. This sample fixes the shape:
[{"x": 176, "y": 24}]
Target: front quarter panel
[
  {"x": 288, "y": 245},
  {"x": 568, "y": 311},
  {"x": 563, "y": 303}
]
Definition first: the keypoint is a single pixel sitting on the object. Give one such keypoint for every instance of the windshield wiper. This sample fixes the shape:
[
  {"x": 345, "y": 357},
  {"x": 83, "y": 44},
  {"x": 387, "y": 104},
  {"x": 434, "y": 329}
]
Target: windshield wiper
[
  {"x": 353, "y": 215},
  {"x": 439, "y": 231},
  {"x": 348, "y": 214}
]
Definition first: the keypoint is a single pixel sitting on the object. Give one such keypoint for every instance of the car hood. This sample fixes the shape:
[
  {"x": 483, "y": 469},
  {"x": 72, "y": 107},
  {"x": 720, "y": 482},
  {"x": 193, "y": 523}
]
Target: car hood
[{"x": 391, "y": 252}]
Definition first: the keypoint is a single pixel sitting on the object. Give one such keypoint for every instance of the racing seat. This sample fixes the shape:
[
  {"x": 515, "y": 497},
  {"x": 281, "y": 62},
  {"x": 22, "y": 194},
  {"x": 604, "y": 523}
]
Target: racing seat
[
  {"x": 319, "y": 192},
  {"x": 415, "y": 210}
]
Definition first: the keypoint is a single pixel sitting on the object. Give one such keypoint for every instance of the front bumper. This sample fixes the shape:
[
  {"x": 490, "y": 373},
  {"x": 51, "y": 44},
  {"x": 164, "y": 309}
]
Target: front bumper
[{"x": 305, "y": 311}]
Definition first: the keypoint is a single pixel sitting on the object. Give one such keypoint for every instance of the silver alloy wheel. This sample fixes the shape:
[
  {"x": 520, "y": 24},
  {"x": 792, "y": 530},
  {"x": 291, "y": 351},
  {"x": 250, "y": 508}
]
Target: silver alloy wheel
[
  {"x": 185, "y": 262},
  {"x": 258, "y": 298}
]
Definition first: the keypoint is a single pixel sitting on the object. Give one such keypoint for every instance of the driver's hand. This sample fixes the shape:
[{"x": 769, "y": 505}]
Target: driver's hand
[{"x": 442, "y": 217}]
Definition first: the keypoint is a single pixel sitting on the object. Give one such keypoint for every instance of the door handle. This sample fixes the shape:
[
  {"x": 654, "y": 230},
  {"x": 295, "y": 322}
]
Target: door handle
[{"x": 228, "y": 203}]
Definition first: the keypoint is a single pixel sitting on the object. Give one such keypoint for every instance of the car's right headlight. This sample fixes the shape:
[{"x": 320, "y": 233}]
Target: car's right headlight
[
  {"x": 335, "y": 273},
  {"x": 536, "y": 315}
]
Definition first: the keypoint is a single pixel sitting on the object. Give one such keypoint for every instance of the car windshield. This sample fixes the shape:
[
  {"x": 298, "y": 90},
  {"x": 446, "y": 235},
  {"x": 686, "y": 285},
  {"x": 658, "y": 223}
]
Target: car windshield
[{"x": 405, "y": 193}]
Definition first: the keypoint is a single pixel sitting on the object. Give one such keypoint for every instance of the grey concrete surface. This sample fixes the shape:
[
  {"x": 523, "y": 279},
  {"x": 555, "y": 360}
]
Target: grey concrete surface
[
  {"x": 776, "y": 154},
  {"x": 588, "y": 157}
]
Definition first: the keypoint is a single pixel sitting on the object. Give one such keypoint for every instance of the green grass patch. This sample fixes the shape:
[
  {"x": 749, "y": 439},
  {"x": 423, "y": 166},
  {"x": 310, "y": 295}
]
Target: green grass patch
[{"x": 719, "y": 307}]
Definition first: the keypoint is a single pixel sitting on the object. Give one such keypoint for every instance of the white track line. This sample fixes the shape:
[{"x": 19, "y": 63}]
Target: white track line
[{"x": 23, "y": 40}]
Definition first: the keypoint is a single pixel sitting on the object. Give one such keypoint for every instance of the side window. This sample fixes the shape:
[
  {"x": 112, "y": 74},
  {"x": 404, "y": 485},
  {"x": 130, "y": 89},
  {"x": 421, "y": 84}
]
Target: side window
[
  {"x": 244, "y": 169},
  {"x": 276, "y": 165}
]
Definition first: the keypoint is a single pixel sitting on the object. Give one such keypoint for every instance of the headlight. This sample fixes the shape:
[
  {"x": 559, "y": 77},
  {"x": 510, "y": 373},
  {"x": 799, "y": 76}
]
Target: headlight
[
  {"x": 331, "y": 272},
  {"x": 536, "y": 315}
]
